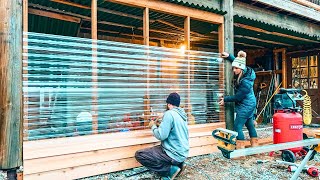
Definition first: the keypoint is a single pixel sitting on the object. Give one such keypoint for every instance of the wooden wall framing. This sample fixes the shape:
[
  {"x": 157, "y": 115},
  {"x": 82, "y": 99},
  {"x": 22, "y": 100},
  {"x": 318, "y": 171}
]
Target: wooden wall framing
[{"x": 83, "y": 156}]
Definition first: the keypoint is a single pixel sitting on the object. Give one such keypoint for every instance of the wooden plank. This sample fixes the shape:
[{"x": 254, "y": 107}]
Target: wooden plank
[
  {"x": 79, "y": 159},
  {"x": 146, "y": 26},
  {"x": 171, "y": 8},
  {"x": 146, "y": 41},
  {"x": 71, "y": 4},
  {"x": 105, "y": 167},
  {"x": 94, "y": 37},
  {"x": 292, "y": 7},
  {"x": 187, "y": 32},
  {"x": 94, "y": 19},
  {"x": 276, "y": 19},
  {"x": 272, "y": 32},
  {"x": 25, "y": 65},
  {"x": 54, "y": 147},
  {"x": 54, "y": 15},
  {"x": 186, "y": 45},
  {"x": 11, "y": 124},
  {"x": 308, "y": 4}
]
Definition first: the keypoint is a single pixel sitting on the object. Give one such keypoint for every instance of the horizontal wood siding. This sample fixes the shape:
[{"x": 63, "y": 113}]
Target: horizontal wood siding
[{"x": 76, "y": 157}]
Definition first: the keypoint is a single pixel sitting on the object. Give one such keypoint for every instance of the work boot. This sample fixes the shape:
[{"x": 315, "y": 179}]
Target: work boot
[
  {"x": 254, "y": 143},
  {"x": 174, "y": 170},
  {"x": 240, "y": 144},
  {"x": 182, "y": 166}
]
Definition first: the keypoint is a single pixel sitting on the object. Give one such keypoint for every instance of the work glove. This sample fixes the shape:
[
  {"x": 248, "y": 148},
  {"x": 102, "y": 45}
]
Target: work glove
[
  {"x": 255, "y": 123},
  {"x": 151, "y": 123},
  {"x": 224, "y": 55},
  {"x": 221, "y": 102}
]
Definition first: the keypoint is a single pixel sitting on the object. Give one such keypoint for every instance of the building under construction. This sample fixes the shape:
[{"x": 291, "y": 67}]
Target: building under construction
[{"x": 81, "y": 79}]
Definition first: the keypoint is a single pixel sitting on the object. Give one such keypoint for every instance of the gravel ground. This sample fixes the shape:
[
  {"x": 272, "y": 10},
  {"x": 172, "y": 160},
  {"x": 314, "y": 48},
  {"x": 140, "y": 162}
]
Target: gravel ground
[
  {"x": 3, "y": 175},
  {"x": 216, "y": 167}
]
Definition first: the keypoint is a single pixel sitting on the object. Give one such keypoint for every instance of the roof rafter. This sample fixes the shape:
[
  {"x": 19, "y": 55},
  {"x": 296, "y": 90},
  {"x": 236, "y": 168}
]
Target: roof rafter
[{"x": 272, "y": 32}]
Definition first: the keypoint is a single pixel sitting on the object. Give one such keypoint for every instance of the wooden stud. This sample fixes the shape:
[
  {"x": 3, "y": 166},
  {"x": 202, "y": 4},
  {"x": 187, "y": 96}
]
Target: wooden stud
[
  {"x": 11, "y": 120},
  {"x": 187, "y": 48},
  {"x": 94, "y": 19},
  {"x": 187, "y": 32},
  {"x": 146, "y": 40},
  {"x": 146, "y": 26},
  {"x": 94, "y": 36},
  {"x": 25, "y": 65},
  {"x": 284, "y": 69}
]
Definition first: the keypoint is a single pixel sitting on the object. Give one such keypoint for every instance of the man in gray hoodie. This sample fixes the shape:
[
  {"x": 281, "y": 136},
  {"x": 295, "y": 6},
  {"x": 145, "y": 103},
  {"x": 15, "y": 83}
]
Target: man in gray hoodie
[{"x": 167, "y": 159}]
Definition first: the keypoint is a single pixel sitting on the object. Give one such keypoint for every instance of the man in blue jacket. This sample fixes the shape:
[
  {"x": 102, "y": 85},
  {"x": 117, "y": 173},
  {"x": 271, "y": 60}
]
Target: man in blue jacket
[{"x": 167, "y": 159}]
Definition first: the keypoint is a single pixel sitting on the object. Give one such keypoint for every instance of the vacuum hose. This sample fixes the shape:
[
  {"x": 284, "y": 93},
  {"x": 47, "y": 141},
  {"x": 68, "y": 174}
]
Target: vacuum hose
[{"x": 307, "y": 114}]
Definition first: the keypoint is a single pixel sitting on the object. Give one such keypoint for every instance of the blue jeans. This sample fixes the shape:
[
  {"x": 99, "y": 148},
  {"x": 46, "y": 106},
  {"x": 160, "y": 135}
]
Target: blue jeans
[{"x": 249, "y": 122}]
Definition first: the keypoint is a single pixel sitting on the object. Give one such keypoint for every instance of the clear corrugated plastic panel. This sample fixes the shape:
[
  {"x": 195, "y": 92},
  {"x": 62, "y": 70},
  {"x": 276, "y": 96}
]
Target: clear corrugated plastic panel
[{"x": 76, "y": 86}]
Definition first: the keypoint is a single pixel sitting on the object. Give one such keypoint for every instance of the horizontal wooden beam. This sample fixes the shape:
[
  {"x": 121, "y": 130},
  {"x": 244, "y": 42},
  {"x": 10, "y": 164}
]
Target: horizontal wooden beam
[
  {"x": 262, "y": 40},
  {"x": 124, "y": 15},
  {"x": 292, "y": 7},
  {"x": 71, "y": 4},
  {"x": 54, "y": 15},
  {"x": 174, "y": 9},
  {"x": 308, "y": 4},
  {"x": 249, "y": 45},
  {"x": 279, "y": 20},
  {"x": 273, "y": 33}
]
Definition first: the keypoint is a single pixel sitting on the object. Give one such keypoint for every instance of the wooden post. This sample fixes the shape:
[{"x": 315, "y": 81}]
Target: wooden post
[
  {"x": 146, "y": 38},
  {"x": 187, "y": 46},
  {"x": 25, "y": 64},
  {"x": 94, "y": 37},
  {"x": 146, "y": 22},
  {"x": 94, "y": 20},
  {"x": 11, "y": 84},
  {"x": 284, "y": 69},
  {"x": 227, "y": 5}
]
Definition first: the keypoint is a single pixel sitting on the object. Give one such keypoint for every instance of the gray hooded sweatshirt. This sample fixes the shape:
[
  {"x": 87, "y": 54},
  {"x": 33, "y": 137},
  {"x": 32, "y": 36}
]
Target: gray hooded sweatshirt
[{"x": 173, "y": 134}]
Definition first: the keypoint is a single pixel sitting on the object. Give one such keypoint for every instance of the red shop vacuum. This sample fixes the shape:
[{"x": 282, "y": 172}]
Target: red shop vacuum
[{"x": 288, "y": 123}]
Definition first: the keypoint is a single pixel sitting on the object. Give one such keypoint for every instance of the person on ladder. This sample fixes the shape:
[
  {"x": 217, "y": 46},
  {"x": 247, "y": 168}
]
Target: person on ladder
[{"x": 244, "y": 98}]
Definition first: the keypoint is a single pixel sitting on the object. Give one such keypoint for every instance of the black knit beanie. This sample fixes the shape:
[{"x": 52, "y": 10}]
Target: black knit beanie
[{"x": 174, "y": 99}]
